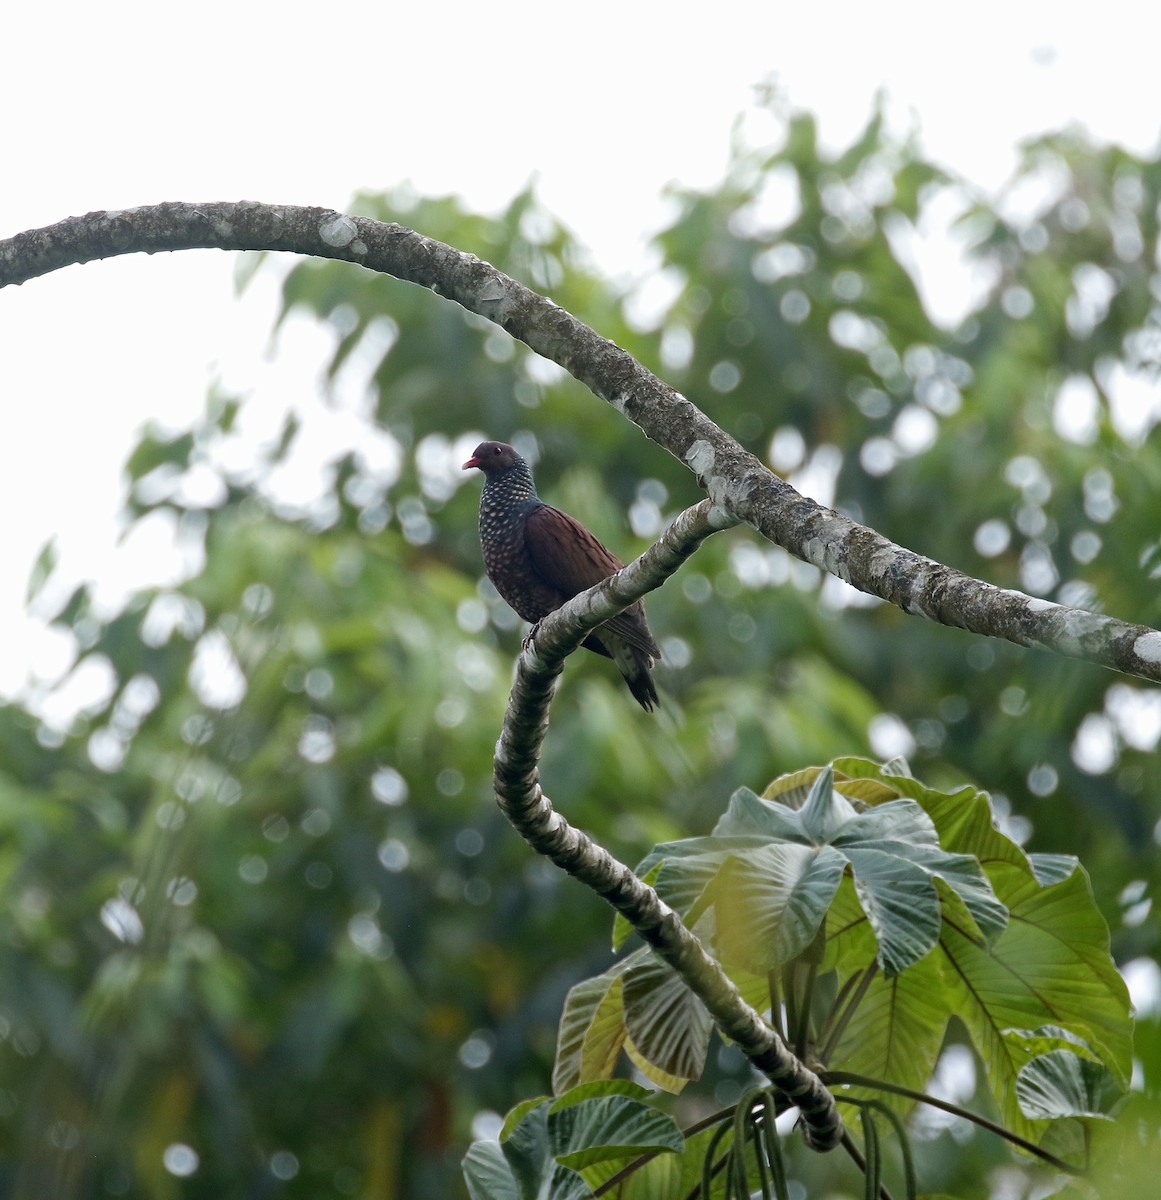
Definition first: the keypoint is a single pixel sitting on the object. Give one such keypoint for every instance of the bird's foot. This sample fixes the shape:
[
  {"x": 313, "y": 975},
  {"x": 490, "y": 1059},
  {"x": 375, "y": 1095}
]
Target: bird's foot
[{"x": 530, "y": 636}]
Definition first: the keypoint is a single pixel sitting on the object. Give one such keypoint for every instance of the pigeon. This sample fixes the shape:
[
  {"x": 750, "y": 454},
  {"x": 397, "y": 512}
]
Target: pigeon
[{"x": 538, "y": 557}]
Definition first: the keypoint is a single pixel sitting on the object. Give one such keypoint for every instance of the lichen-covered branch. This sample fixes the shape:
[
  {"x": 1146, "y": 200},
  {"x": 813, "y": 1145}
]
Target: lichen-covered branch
[
  {"x": 734, "y": 479},
  {"x": 517, "y": 782}
]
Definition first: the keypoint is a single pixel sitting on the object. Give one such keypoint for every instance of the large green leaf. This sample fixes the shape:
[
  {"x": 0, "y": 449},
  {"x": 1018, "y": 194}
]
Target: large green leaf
[
  {"x": 869, "y": 865},
  {"x": 773, "y": 870},
  {"x": 770, "y": 901},
  {"x": 895, "y": 856},
  {"x": 771, "y": 897},
  {"x": 1064, "y": 1084},
  {"x": 642, "y": 1006},
  {"x": 668, "y": 1027},
  {"x": 598, "y": 1122},
  {"x": 562, "y": 1149},
  {"x": 591, "y": 1031},
  {"x": 896, "y": 1031},
  {"x": 1050, "y": 967},
  {"x": 487, "y": 1173}
]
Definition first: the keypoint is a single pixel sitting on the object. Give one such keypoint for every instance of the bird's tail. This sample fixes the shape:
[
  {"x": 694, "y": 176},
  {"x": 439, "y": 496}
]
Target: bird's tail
[{"x": 636, "y": 666}]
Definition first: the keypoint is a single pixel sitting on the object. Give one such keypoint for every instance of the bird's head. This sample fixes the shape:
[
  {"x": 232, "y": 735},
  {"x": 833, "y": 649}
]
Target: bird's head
[{"x": 493, "y": 458}]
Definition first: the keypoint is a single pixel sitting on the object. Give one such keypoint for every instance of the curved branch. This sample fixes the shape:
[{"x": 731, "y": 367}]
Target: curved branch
[
  {"x": 881, "y": 1085},
  {"x": 517, "y": 782},
  {"x": 734, "y": 478}
]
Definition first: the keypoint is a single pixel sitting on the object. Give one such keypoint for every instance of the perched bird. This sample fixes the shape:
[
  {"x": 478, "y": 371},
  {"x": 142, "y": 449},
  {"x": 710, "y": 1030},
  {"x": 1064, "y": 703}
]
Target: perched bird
[{"x": 539, "y": 557}]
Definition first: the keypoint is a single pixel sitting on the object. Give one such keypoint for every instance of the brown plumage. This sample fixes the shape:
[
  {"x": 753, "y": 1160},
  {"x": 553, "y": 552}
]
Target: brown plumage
[{"x": 538, "y": 557}]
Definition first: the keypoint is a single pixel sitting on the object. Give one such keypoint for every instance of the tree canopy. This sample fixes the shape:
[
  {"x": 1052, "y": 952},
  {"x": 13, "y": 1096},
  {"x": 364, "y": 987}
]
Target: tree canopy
[{"x": 263, "y": 929}]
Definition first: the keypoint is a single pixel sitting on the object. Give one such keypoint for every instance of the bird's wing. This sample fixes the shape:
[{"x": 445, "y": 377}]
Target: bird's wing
[
  {"x": 569, "y": 558},
  {"x": 564, "y": 552}
]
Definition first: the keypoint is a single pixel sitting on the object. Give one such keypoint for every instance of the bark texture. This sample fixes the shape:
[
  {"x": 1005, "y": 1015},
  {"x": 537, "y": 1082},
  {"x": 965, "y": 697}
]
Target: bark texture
[{"x": 734, "y": 479}]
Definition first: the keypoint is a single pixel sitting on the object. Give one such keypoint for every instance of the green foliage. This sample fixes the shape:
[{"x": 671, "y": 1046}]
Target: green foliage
[
  {"x": 257, "y": 901},
  {"x": 846, "y": 894},
  {"x": 566, "y": 1147}
]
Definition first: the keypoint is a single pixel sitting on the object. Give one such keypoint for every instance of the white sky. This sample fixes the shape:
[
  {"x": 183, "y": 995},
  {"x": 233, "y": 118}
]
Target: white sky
[{"x": 123, "y": 104}]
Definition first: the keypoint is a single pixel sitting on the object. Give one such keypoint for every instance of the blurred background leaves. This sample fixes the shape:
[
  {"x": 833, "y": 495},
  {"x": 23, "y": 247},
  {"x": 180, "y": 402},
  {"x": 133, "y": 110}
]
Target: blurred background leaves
[{"x": 262, "y": 929}]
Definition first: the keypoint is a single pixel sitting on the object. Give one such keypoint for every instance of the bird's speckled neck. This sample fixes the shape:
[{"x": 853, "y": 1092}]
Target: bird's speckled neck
[{"x": 514, "y": 487}]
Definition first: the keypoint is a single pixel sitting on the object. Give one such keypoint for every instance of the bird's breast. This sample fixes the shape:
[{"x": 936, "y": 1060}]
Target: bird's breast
[{"x": 510, "y": 567}]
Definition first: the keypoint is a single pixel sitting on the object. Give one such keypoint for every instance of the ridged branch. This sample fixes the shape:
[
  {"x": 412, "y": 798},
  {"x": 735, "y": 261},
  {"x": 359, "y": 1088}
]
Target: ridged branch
[
  {"x": 517, "y": 783},
  {"x": 734, "y": 479}
]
